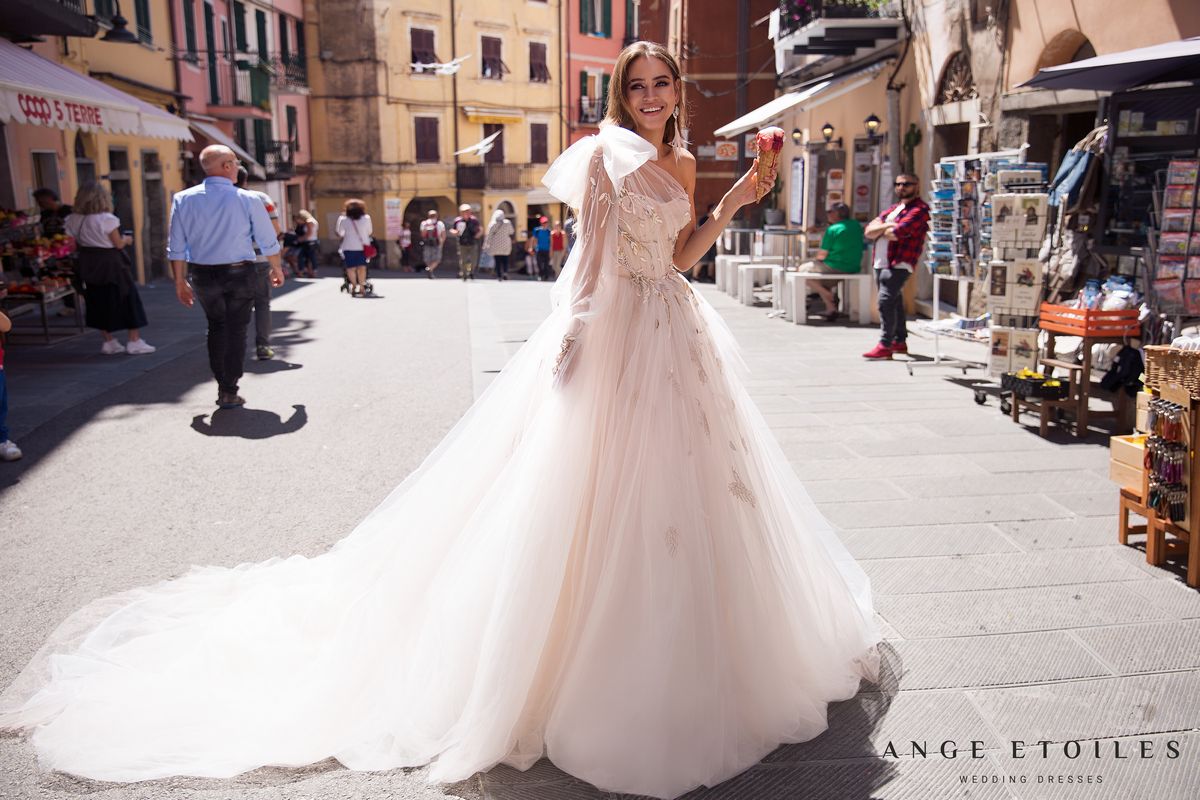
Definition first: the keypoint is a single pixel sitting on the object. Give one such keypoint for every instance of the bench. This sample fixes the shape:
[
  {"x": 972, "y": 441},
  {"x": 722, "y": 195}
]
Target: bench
[
  {"x": 749, "y": 274},
  {"x": 796, "y": 293},
  {"x": 727, "y": 270}
]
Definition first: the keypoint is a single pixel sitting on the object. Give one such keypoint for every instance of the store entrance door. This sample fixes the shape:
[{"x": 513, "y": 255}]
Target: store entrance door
[{"x": 154, "y": 217}]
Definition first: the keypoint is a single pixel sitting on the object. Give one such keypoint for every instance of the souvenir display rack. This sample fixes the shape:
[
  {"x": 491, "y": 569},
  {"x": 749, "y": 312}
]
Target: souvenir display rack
[{"x": 1173, "y": 254}]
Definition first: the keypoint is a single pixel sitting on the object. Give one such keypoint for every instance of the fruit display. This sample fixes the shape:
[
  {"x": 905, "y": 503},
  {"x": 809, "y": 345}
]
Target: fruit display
[{"x": 12, "y": 219}]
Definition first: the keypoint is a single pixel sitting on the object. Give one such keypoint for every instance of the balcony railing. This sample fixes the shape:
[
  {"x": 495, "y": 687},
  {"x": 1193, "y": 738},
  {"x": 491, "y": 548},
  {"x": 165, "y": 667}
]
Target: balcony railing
[
  {"x": 251, "y": 84},
  {"x": 591, "y": 110},
  {"x": 795, "y": 14},
  {"x": 288, "y": 69},
  {"x": 498, "y": 176},
  {"x": 278, "y": 159},
  {"x": 48, "y": 18}
]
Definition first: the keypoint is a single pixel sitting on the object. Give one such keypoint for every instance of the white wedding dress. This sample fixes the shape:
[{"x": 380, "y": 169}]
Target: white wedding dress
[{"x": 660, "y": 610}]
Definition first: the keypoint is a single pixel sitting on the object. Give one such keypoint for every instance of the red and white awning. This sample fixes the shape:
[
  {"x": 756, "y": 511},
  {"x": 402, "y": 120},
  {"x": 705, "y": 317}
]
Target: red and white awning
[{"x": 37, "y": 91}]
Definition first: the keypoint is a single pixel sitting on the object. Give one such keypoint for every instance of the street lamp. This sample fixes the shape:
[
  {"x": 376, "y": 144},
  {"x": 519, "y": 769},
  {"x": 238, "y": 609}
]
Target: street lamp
[
  {"x": 119, "y": 32},
  {"x": 797, "y": 135},
  {"x": 827, "y": 132},
  {"x": 872, "y": 122}
]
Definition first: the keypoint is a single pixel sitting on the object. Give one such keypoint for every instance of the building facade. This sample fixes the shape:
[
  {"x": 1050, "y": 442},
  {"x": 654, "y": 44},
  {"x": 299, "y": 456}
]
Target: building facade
[
  {"x": 595, "y": 32},
  {"x": 401, "y": 96},
  {"x": 242, "y": 67}
]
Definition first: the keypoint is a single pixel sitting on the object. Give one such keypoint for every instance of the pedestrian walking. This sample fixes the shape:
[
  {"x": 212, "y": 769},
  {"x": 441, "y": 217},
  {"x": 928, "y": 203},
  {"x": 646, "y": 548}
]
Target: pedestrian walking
[
  {"x": 8, "y": 448},
  {"x": 262, "y": 276},
  {"x": 433, "y": 238},
  {"x": 499, "y": 242},
  {"x": 111, "y": 299},
  {"x": 541, "y": 249},
  {"x": 467, "y": 228},
  {"x": 558, "y": 248},
  {"x": 529, "y": 244},
  {"x": 841, "y": 251},
  {"x": 404, "y": 242},
  {"x": 354, "y": 229},
  {"x": 308, "y": 242},
  {"x": 214, "y": 230},
  {"x": 899, "y": 237}
]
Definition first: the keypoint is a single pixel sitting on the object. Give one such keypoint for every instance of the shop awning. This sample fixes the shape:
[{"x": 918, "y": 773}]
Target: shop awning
[
  {"x": 37, "y": 91},
  {"x": 494, "y": 116},
  {"x": 218, "y": 136},
  {"x": 809, "y": 97},
  {"x": 1160, "y": 63}
]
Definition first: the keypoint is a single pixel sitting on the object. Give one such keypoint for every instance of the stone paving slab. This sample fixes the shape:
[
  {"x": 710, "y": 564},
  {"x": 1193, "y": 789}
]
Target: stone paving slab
[
  {"x": 1009, "y": 483},
  {"x": 925, "y": 540},
  {"x": 1146, "y": 647},
  {"x": 1015, "y": 610},
  {"x": 1053, "y": 534},
  {"x": 1086, "y": 457},
  {"x": 940, "y": 511},
  {"x": 804, "y": 452},
  {"x": 851, "y": 491},
  {"x": 1099, "y": 503},
  {"x": 1003, "y": 659},
  {"x": 1091, "y": 709},
  {"x": 1001, "y": 571},
  {"x": 1170, "y": 596},
  {"x": 937, "y": 445},
  {"x": 830, "y": 469}
]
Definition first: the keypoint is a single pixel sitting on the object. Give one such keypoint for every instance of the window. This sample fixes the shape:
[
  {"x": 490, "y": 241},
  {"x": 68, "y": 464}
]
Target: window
[
  {"x": 141, "y": 11},
  {"x": 595, "y": 17},
  {"x": 538, "y": 71},
  {"x": 189, "y": 30},
  {"x": 537, "y": 142},
  {"x": 260, "y": 26},
  {"x": 631, "y": 34},
  {"x": 427, "y": 139},
  {"x": 423, "y": 52},
  {"x": 293, "y": 127},
  {"x": 284, "y": 39},
  {"x": 496, "y": 154},
  {"x": 210, "y": 39},
  {"x": 239, "y": 27},
  {"x": 493, "y": 65},
  {"x": 593, "y": 94},
  {"x": 45, "y": 171},
  {"x": 104, "y": 10}
]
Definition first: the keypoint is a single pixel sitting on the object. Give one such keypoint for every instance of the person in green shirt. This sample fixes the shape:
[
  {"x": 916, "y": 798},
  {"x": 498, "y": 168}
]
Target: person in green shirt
[{"x": 841, "y": 252}]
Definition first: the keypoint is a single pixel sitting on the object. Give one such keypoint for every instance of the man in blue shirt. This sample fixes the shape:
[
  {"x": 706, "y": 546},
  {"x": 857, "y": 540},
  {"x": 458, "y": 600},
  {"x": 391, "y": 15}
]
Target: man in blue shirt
[{"x": 215, "y": 228}]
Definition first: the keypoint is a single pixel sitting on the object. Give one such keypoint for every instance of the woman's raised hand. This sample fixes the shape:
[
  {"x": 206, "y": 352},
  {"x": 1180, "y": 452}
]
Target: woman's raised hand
[{"x": 747, "y": 189}]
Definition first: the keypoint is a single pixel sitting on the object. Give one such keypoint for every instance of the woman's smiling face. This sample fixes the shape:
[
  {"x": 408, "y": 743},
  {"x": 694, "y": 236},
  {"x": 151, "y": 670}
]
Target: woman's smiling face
[{"x": 650, "y": 93}]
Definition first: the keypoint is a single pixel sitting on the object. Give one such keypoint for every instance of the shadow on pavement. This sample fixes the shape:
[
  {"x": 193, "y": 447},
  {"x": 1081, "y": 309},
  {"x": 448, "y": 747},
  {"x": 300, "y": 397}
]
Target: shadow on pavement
[{"x": 249, "y": 423}]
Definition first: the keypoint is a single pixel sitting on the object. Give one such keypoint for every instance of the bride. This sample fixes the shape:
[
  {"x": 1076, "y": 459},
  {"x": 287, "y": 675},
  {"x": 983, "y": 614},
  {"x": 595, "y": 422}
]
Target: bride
[{"x": 660, "y": 617}]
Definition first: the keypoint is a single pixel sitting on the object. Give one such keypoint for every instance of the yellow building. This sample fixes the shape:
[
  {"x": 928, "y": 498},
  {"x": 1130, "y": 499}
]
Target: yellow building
[
  {"x": 143, "y": 168},
  {"x": 387, "y": 131}
]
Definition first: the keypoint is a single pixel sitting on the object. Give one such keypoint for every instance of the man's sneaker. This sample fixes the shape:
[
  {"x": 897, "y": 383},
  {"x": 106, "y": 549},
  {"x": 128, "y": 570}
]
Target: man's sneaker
[
  {"x": 139, "y": 347},
  {"x": 9, "y": 451},
  {"x": 112, "y": 347},
  {"x": 230, "y": 400},
  {"x": 880, "y": 352},
  {"x": 264, "y": 353},
  {"x": 900, "y": 347}
]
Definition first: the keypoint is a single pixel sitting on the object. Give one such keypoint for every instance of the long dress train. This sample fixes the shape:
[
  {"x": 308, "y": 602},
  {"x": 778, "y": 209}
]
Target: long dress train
[{"x": 659, "y": 615}]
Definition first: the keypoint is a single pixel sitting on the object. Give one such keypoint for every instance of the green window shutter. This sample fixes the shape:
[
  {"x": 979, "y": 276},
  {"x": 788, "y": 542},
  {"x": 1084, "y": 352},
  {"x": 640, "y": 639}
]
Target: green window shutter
[
  {"x": 214, "y": 86},
  {"x": 604, "y": 93},
  {"x": 262, "y": 137},
  {"x": 583, "y": 84},
  {"x": 189, "y": 27},
  {"x": 585, "y": 16},
  {"x": 606, "y": 21},
  {"x": 293, "y": 127},
  {"x": 284, "y": 45},
  {"x": 239, "y": 26},
  {"x": 141, "y": 10},
  {"x": 260, "y": 24}
]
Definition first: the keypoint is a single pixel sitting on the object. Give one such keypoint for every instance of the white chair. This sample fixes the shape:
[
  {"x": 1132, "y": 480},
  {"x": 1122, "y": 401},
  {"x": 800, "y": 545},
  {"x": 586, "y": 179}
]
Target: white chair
[
  {"x": 727, "y": 275},
  {"x": 797, "y": 294}
]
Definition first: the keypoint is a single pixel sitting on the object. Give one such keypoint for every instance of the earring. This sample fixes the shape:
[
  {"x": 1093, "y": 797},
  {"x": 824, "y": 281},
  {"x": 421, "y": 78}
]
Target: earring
[{"x": 675, "y": 113}]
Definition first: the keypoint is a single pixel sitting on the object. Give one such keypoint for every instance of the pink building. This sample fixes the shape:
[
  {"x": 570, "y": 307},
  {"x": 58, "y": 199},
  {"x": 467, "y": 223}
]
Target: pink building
[
  {"x": 596, "y": 32},
  {"x": 242, "y": 68}
]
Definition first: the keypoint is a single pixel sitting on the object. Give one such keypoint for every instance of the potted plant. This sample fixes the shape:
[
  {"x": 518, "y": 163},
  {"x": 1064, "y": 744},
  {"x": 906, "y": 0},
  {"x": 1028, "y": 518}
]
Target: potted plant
[{"x": 772, "y": 213}]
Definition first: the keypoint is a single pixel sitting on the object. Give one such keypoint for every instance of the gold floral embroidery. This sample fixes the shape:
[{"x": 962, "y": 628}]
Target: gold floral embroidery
[
  {"x": 567, "y": 343},
  {"x": 741, "y": 491},
  {"x": 694, "y": 351},
  {"x": 703, "y": 419},
  {"x": 672, "y": 540}
]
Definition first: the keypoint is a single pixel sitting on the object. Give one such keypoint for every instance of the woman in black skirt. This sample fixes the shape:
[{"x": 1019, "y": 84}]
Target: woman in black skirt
[{"x": 110, "y": 293}]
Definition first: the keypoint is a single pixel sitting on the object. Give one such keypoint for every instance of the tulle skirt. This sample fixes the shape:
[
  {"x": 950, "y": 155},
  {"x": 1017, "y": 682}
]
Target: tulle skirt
[{"x": 661, "y": 609}]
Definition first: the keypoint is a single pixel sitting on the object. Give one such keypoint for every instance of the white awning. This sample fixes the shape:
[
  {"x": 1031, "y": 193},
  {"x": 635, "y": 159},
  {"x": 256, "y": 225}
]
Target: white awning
[
  {"x": 538, "y": 197},
  {"x": 809, "y": 97},
  {"x": 218, "y": 136},
  {"x": 37, "y": 91}
]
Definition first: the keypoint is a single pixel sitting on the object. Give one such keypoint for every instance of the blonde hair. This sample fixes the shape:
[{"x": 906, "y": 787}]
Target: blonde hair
[
  {"x": 304, "y": 215},
  {"x": 93, "y": 198},
  {"x": 619, "y": 112}
]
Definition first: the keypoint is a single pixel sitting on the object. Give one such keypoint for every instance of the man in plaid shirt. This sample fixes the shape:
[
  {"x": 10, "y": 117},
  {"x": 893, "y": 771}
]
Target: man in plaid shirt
[{"x": 899, "y": 236}]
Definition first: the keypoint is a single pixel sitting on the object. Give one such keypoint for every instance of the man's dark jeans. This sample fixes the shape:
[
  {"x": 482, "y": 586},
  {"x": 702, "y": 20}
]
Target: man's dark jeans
[
  {"x": 892, "y": 328},
  {"x": 226, "y": 293},
  {"x": 262, "y": 304}
]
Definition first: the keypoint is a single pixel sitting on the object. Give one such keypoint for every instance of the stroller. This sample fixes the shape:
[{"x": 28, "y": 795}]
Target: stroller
[{"x": 368, "y": 287}]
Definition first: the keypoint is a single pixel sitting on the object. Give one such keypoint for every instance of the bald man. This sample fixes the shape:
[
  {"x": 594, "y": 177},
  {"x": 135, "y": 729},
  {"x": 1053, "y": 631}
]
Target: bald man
[{"x": 215, "y": 228}]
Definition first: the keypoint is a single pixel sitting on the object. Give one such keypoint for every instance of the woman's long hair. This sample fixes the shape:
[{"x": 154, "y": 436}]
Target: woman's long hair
[
  {"x": 619, "y": 112},
  {"x": 93, "y": 198}
]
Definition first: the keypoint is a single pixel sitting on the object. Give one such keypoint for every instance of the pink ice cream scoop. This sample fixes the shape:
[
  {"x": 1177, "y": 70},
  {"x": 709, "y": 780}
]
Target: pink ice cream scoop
[{"x": 770, "y": 144}]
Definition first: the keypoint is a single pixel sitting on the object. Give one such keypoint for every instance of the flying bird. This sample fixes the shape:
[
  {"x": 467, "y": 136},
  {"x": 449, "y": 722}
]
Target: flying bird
[
  {"x": 480, "y": 148},
  {"x": 449, "y": 68}
]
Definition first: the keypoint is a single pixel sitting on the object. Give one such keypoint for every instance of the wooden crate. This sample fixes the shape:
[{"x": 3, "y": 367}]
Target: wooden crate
[
  {"x": 1090, "y": 322},
  {"x": 1166, "y": 365},
  {"x": 1126, "y": 461}
]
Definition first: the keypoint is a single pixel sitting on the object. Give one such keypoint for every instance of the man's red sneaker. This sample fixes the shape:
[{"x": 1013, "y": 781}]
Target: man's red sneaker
[
  {"x": 900, "y": 347},
  {"x": 879, "y": 352}
]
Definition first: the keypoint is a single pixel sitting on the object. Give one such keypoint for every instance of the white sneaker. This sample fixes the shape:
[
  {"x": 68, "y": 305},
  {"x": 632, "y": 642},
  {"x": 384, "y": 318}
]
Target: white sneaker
[
  {"x": 9, "y": 451},
  {"x": 112, "y": 347},
  {"x": 139, "y": 347}
]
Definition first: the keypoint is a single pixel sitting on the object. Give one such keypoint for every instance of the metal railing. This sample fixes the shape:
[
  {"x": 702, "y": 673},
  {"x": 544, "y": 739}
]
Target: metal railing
[
  {"x": 795, "y": 14},
  {"x": 288, "y": 69},
  {"x": 251, "y": 84},
  {"x": 497, "y": 176},
  {"x": 78, "y": 6},
  {"x": 278, "y": 159},
  {"x": 591, "y": 109}
]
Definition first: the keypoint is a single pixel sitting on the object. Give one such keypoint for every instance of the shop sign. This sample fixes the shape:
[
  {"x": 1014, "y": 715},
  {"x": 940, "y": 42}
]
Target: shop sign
[
  {"x": 796, "y": 201},
  {"x": 725, "y": 151},
  {"x": 393, "y": 217},
  {"x": 52, "y": 112}
]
